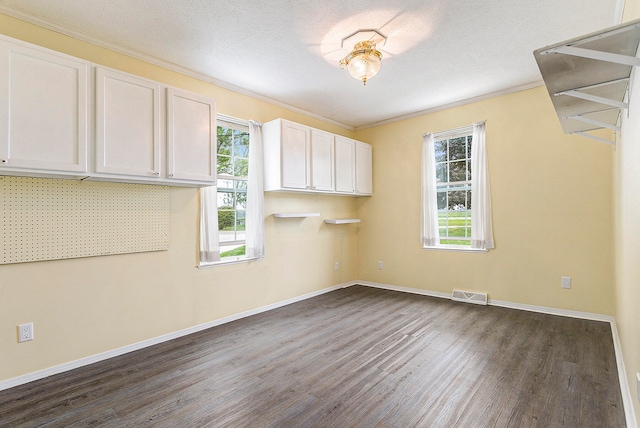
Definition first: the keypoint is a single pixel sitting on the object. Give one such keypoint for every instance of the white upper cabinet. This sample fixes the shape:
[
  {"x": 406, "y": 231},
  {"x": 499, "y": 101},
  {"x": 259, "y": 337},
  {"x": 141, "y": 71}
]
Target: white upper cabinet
[
  {"x": 304, "y": 159},
  {"x": 345, "y": 164},
  {"x": 43, "y": 112},
  {"x": 127, "y": 125},
  {"x": 286, "y": 155},
  {"x": 322, "y": 147},
  {"x": 191, "y": 138},
  {"x": 295, "y": 156},
  {"x": 364, "y": 168},
  {"x": 45, "y": 119}
]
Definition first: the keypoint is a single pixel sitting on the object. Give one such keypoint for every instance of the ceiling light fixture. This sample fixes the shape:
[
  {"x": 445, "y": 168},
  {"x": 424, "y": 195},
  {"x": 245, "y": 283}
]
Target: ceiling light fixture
[{"x": 363, "y": 62}]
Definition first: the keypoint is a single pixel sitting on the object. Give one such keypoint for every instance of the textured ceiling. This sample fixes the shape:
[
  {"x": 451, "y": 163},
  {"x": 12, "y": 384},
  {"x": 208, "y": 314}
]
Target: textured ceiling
[{"x": 438, "y": 52}]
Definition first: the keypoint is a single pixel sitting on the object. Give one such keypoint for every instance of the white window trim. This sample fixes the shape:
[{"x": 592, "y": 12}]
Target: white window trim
[
  {"x": 457, "y": 248},
  {"x": 227, "y": 261}
]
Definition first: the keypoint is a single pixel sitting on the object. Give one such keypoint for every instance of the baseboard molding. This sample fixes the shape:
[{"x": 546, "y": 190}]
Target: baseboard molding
[
  {"x": 627, "y": 398},
  {"x": 40, "y": 374},
  {"x": 439, "y": 294}
]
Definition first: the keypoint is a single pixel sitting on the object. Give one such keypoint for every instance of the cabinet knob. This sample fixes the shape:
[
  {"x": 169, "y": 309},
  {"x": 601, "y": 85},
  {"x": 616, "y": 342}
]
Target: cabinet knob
[
  {"x": 156, "y": 173},
  {"x": 4, "y": 161},
  {"x": 170, "y": 175}
]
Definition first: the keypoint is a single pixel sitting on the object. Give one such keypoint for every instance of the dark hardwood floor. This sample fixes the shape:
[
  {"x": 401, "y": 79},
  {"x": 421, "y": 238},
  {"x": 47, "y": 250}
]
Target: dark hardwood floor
[{"x": 357, "y": 357}]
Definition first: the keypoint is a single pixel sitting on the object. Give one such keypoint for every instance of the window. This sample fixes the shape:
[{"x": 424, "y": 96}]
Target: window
[
  {"x": 233, "y": 167},
  {"x": 453, "y": 186},
  {"x": 232, "y": 213},
  {"x": 456, "y": 195}
]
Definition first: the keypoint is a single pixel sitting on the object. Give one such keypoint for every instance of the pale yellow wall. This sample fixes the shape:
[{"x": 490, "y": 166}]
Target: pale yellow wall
[
  {"x": 627, "y": 229},
  {"x": 551, "y": 198},
  {"x": 81, "y": 307}
]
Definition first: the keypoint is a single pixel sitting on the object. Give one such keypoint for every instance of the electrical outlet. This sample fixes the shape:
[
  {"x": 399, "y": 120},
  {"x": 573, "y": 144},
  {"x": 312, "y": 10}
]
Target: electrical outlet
[
  {"x": 25, "y": 332},
  {"x": 380, "y": 264},
  {"x": 566, "y": 282},
  {"x": 336, "y": 266}
]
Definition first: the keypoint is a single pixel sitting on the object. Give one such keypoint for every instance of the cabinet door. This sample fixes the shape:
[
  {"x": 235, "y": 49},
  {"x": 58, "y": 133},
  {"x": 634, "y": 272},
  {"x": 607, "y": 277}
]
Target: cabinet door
[
  {"x": 364, "y": 183},
  {"x": 127, "y": 125},
  {"x": 43, "y": 110},
  {"x": 321, "y": 160},
  {"x": 295, "y": 156},
  {"x": 191, "y": 137},
  {"x": 345, "y": 161}
]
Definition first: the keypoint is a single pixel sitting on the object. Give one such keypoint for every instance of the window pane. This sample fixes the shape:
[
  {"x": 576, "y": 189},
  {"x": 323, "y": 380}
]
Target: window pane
[
  {"x": 225, "y": 184},
  {"x": 442, "y": 200},
  {"x": 232, "y": 250},
  {"x": 457, "y": 201},
  {"x": 441, "y": 173},
  {"x": 458, "y": 171},
  {"x": 458, "y": 148},
  {"x": 241, "y": 217},
  {"x": 442, "y": 223},
  {"x": 469, "y": 200},
  {"x": 224, "y": 165},
  {"x": 241, "y": 184},
  {"x": 241, "y": 201},
  {"x": 226, "y": 220},
  {"x": 225, "y": 141},
  {"x": 226, "y": 200},
  {"x": 241, "y": 144},
  {"x": 441, "y": 150},
  {"x": 241, "y": 167}
]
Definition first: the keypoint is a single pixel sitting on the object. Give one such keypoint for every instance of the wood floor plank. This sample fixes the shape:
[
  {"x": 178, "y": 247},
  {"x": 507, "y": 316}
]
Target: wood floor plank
[{"x": 357, "y": 357}]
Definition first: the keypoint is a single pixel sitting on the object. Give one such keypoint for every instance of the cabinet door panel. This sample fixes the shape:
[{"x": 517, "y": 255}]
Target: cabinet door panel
[
  {"x": 364, "y": 184},
  {"x": 43, "y": 110},
  {"x": 345, "y": 160},
  {"x": 191, "y": 137},
  {"x": 295, "y": 159},
  {"x": 321, "y": 160},
  {"x": 127, "y": 124}
]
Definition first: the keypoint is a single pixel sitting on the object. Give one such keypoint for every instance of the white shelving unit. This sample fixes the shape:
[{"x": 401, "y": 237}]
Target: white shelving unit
[
  {"x": 588, "y": 78},
  {"x": 341, "y": 220},
  {"x": 295, "y": 215}
]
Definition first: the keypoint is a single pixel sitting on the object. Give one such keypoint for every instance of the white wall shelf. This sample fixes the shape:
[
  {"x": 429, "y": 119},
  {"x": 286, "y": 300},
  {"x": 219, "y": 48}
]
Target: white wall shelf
[
  {"x": 588, "y": 78},
  {"x": 295, "y": 215},
  {"x": 341, "y": 220}
]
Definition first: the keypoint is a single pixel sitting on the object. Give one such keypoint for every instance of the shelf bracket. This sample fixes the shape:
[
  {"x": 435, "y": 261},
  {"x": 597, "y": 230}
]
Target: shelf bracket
[
  {"x": 594, "y": 122},
  {"x": 593, "y": 54},
  {"x": 602, "y": 100},
  {"x": 593, "y": 137}
]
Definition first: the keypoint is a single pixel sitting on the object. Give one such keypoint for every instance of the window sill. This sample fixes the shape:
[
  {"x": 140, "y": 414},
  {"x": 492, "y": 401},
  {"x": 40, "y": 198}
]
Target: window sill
[
  {"x": 226, "y": 261},
  {"x": 456, "y": 248}
]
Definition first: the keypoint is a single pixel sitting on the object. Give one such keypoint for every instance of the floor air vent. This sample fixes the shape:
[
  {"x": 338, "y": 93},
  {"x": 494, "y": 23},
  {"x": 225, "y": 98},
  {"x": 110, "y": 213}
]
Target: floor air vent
[{"x": 469, "y": 297}]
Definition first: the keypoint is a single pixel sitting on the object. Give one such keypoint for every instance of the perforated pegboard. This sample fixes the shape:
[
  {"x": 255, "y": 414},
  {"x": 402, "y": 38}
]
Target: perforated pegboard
[{"x": 47, "y": 219}]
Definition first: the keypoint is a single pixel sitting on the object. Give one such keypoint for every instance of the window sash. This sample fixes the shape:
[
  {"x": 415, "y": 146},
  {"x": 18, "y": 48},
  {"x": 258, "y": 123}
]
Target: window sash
[
  {"x": 233, "y": 186},
  {"x": 451, "y": 225}
]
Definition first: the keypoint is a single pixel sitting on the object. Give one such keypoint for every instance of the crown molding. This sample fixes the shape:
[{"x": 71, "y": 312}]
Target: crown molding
[{"x": 460, "y": 103}]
